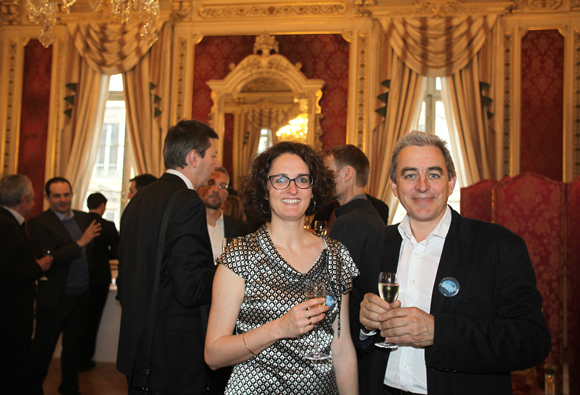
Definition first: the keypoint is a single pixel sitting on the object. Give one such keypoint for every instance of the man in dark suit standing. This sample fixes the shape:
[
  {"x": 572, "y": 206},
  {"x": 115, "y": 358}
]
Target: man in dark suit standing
[
  {"x": 356, "y": 218},
  {"x": 105, "y": 248},
  {"x": 219, "y": 225},
  {"x": 62, "y": 303},
  {"x": 468, "y": 311},
  {"x": 180, "y": 314},
  {"x": 18, "y": 271}
]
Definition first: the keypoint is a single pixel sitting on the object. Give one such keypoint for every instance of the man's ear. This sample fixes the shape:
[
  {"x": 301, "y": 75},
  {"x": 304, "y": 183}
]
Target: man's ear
[
  {"x": 348, "y": 172},
  {"x": 393, "y": 188},
  {"x": 192, "y": 157}
]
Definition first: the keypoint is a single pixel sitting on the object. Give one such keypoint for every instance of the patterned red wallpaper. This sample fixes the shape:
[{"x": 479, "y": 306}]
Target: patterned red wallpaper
[
  {"x": 34, "y": 117},
  {"x": 323, "y": 56},
  {"x": 542, "y": 103}
]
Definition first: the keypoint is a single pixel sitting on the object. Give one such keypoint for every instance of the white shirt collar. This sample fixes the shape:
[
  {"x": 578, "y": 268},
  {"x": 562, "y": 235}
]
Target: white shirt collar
[
  {"x": 440, "y": 230},
  {"x": 182, "y": 176},
  {"x": 16, "y": 215}
]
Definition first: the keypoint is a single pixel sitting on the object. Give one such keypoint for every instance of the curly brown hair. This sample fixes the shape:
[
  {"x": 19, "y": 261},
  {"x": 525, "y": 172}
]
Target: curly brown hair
[{"x": 255, "y": 187}]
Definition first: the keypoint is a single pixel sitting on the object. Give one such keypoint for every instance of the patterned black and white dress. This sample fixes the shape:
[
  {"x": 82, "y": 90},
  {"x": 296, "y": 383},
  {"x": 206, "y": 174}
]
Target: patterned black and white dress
[{"x": 272, "y": 288}]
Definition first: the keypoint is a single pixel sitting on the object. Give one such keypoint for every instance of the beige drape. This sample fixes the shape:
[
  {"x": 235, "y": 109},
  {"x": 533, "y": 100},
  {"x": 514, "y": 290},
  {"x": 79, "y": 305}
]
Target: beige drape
[
  {"x": 98, "y": 51},
  {"x": 459, "y": 47},
  {"x": 403, "y": 96},
  {"x": 148, "y": 80},
  {"x": 86, "y": 125}
]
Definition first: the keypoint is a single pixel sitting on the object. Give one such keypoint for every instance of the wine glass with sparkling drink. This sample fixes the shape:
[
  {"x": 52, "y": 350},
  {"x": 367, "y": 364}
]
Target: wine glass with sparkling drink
[
  {"x": 315, "y": 290},
  {"x": 388, "y": 290},
  {"x": 49, "y": 254}
]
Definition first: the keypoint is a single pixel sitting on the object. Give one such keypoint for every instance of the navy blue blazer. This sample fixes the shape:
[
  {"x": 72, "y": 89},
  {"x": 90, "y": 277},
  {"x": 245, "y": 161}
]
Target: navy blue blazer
[{"x": 493, "y": 326}]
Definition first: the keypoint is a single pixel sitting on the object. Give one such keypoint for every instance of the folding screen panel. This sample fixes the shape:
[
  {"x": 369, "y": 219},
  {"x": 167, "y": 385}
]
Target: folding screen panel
[{"x": 532, "y": 206}]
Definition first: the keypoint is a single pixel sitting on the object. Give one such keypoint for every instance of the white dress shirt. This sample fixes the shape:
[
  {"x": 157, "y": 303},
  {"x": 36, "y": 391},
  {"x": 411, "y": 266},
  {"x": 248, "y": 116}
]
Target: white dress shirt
[
  {"x": 182, "y": 176},
  {"x": 216, "y": 235},
  {"x": 418, "y": 264}
]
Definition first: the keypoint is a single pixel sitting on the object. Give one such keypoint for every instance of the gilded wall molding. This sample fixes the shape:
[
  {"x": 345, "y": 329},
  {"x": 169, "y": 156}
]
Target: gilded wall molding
[
  {"x": 542, "y": 5},
  {"x": 443, "y": 8},
  {"x": 574, "y": 5},
  {"x": 361, "y": 89},
  {"x": 507, "y": 107},
  {"x": 10, "y": 13},
  {"x": 9, "y": 145},
  {"x": 280, "y": 10},
  {"x": 181, "y": 68},
  {"x": 576, "y": 153}
]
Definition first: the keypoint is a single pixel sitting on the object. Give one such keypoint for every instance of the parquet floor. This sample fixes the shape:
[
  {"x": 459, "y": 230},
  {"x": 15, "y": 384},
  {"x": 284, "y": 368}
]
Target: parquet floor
[{"x": 104, "y": 379}]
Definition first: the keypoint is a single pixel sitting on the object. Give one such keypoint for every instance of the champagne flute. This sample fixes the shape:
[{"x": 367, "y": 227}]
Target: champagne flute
[
  {"x": 320, "y": 228},
  {"x": 47, "y": 253},
  {"x": 315, "y": 290},
  {"x": 225, "y": 242},
  {"x": 388, "y": 290}
]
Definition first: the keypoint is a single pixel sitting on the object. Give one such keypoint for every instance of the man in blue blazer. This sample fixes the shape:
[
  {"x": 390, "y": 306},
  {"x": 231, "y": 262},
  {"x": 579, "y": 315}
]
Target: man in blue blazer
[
  {"x": 176, "y": 364},
  {"x": 62, "y": 303},
  {"x": 468, "y": 311}
]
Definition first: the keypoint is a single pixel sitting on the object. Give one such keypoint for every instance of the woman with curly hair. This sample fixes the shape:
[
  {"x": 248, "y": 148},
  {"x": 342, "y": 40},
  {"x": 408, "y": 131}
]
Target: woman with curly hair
[{"x": 258, "y": 290}]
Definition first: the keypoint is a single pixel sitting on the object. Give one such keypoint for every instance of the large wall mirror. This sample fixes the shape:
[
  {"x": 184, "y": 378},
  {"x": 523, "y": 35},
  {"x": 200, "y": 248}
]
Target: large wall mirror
[{"x": 270, "y": 99}]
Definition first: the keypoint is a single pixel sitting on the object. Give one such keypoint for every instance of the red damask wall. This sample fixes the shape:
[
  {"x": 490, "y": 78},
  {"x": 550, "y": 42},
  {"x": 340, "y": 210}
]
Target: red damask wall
[
  {"x": 34, "y": 117},
  {"x": 323, "y": 56},
  {"x": 542, "y": 103}
]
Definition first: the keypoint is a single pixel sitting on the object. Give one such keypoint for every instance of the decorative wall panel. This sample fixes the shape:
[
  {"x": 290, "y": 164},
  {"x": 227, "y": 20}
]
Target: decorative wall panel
[
  {"x": 323, "y": 56},
  {"x": 542, "y": 103},
  {"x": 34, "y": 117}
]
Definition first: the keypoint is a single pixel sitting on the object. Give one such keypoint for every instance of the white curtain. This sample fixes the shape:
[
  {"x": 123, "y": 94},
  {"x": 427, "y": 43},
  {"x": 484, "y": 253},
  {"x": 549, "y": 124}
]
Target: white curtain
[{"x": 98, "y": 51}]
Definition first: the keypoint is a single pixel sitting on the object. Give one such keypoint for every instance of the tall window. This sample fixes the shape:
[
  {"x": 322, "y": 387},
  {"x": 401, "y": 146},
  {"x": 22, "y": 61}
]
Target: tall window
[
  {"x": 265, "y": 140},
  {"x": 432, "y": 118},
  {"x": 108, "y": 174}
]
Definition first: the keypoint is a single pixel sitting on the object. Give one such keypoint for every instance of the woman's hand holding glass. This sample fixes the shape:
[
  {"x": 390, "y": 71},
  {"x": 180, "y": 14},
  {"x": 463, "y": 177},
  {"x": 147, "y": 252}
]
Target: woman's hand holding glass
[{"x": 302, "y": 317}]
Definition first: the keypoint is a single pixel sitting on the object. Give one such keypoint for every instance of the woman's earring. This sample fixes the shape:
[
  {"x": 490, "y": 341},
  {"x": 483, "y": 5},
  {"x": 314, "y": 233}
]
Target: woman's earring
[
  {"x": 265, "y": 211},
  {"x": 314, "y": 206}
]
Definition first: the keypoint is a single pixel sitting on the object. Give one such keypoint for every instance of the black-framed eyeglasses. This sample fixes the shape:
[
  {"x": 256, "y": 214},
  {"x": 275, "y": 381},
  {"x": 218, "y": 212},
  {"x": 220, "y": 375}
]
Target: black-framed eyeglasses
[
  {"x": 211, "y": 182},
  {"x": 302, "y": 181}
]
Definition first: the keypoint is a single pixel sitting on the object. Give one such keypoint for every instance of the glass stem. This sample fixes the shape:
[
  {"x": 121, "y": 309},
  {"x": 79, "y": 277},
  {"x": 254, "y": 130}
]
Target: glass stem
[{"x": 316, "y": 339}]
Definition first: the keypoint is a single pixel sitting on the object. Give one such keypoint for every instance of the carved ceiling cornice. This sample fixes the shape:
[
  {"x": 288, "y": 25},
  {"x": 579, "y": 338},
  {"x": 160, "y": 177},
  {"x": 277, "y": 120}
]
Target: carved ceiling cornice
[
  {"x": 442, "y": 8},
  {"x": 273, "y": 10}
]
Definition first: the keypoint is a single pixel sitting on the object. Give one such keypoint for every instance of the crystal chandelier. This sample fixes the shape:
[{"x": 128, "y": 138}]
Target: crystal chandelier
[
  {"x": 45, "y": 12},
  {"x": 296, "y": 130}
]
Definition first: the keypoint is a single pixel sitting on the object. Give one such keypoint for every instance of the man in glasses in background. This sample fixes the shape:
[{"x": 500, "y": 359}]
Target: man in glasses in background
[{"x": 219, "y": 225}]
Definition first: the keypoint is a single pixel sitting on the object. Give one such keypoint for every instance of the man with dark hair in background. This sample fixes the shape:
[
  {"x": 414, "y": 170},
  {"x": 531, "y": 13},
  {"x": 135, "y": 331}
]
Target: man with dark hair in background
[
  {"x": 105, "y": 248},
  {"x": 62, "y": 303},
  {"x": 18, "y": 271},
  {"x": 356, "y": 217},
  {"x": 219, "y": 225},
  {"x": 139, "y": 182},
  {"x": 176, "y": 361}
]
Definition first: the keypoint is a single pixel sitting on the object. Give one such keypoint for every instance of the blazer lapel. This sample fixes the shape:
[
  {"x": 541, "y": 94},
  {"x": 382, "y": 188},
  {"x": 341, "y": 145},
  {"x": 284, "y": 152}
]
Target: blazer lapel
[
  {"x": 390, "y": 251},
  {"x": 454, "y": 257}
]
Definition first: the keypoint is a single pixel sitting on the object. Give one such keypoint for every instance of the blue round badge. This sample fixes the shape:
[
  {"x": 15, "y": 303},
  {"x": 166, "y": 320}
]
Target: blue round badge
[{"x": 449, "y": 287}]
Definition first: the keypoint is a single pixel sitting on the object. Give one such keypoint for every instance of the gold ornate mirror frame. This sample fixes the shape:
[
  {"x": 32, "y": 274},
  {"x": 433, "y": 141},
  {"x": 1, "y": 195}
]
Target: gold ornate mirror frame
[{"x": 264, "y": 80}]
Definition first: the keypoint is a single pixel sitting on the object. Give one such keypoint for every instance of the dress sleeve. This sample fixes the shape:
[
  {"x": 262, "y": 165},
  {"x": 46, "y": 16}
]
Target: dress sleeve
[
  {"x": 343, "y": 266},
  {"x": 238, "y": 257}
]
